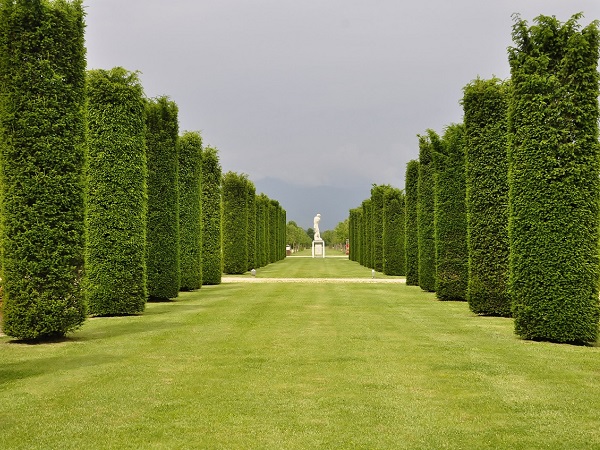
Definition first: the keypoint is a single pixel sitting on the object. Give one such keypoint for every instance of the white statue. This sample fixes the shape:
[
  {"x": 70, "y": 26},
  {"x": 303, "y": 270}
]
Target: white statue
[{"x": 317, "y": 236}]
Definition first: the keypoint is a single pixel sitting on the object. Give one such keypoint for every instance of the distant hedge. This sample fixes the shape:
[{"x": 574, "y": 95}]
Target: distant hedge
[
  {"x": 450, "y": 216},
  {"x": 162, "y": 132},
  {"x": 262, "y": 215},
  {"x": 235, "y": 223},
  {"x": 425, "y": 211},
  {"x": 554, "y": 184},
  {"x": 485, "y": 105},
  {"x": 355, "y": 235},
  {"x": 42, "y": 141},
  {"x": 190, "y": 210},
  {"x": 367, "y": 233},
  {"x": 211, "y": 217},
  {"x": 411, "y": 229},
  {"x": 393, "y": 232},
  {"x": 377, "y": 204},
  {"x": 273, "y": 230},
  {"x": 251, "y": 239},
  {"x": 116, "y": 166}
]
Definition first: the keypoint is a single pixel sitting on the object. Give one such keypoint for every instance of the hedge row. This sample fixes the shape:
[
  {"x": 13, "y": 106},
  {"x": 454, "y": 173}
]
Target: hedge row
[
  {"x": 116, "y": 166},
  {"x": 426, "y": 210},
  {"x": 42, "y": 123},
  {"x": 235, "y": 223},
  {"x": 485, "y": 105},
  {"x": 412, "y": 225},
  {"x": 450, "y": 216},
  {"x": 212, "y": 259},
  {"x": 554, "y": 162},
  {"x": 190, "y": 210},
  {"x": 394, "y": 258}
]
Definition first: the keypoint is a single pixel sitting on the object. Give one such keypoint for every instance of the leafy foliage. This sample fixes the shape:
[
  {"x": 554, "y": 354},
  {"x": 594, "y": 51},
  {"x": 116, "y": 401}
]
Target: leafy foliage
[
  {"x": 211, "y": 217},
  {"x": 190, "y": 210},
  {"x": 377, "y": 203},
  {"x": 367, "y": 251},
  {"x": 116, "y": 182},
  {"x": 412, "y": 224},
  {"x": 450, "y": 216},
  {"x": 162, "y": 132},
  {"x": 251, "y": 239},
  {"x": 553, "y": 176},
  {"x": 426, "y": 211},
  {"x": 393, "y": 233},
  {"x": 485, "y": 105},
  {"x": 42, "y": 125},
  {"x": 235, "y": 223}
]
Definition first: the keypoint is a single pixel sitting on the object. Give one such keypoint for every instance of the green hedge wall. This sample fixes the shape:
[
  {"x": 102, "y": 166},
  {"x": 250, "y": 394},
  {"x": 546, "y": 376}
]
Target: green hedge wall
[
  {"x": 426, "y": 211},
  {"x": 262, "y": 209},
  {"x": 393, "y": 233},
  {"x": 212, "y": 261},
  {"x": 368, "y": 233},
  {"x": 251, "y": 239},
  {"x": 42, "y": 125},
  {"x": 273, "y": 230},
  {"x": 485, "y": 105},
  {"x": 554, "y": 185},
  {"x": 115, "y": 256},
  {"x": 451, "y": 216},
  {"x": 354, "y": 231},
  {"x": 377, "y": 196},
  {"x": 162, "y": 132},
  {"x": 411, "y": 229},
  {"x": 235, "y": 223},
  {"x": 190, "y": 210}
]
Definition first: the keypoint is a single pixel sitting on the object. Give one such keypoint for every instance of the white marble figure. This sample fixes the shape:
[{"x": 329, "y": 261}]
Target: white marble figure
[{"x": 317, "y": 236}]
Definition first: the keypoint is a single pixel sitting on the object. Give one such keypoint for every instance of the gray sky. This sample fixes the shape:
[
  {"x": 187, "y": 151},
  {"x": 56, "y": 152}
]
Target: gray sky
[{"x": 313, "y": 93}]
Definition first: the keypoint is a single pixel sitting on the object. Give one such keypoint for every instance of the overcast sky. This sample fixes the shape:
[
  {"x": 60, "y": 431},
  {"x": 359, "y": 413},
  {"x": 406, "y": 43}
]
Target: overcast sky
[{"x": 313, "y": 93}]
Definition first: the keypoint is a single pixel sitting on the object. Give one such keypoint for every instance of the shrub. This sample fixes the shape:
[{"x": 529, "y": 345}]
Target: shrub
[
  {"x": 211, "y": 217},
  {"x": 485, "y": 104},
  {"x": 554, "y": 162},
  {"x": 235, "y": 223},
  {"x": 367, "y": 233},
  {"x": 411, "y": 224},
  {"x": 393, "y": 233},
  {"x": 42, "y": 125},
  {"x": 377, "y": 204},
  {"x": 190, "y": 210},
  {"x": 450, "y": 216},
  {"x": 116, "y": 242},
  {"x": 251, "y": 239},
  {"x": 262, "y": 209},
  {"x": 426, "y": 211},
  {"x": 162, "y": 132}
]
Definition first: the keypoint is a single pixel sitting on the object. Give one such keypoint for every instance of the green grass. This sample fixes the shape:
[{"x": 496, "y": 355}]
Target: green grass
[{"x": 299, "y": 366}]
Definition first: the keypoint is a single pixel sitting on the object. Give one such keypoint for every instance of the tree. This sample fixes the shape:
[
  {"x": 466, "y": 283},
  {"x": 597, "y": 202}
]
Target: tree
[
  {"x": 211, "y": 217},
  {"x": 115, "y": 255},
  {"x": 554, "y": 162},
  {"x": 42, "y": 141},
  {"x": 162, "y": 132},
  {"x": 190, "y": 210}
]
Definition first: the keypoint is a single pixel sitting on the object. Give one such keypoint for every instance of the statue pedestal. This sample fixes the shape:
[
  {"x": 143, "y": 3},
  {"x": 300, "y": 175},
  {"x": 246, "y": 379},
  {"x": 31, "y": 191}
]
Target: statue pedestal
[{"x": 318, "y": 249}]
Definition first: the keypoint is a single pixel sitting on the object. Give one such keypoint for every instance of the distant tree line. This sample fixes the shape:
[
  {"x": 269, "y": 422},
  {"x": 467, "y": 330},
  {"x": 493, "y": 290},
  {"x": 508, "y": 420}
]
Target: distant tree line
[
  {"x": 503, "y": 210},
  {"x": 104, "y": 204}
]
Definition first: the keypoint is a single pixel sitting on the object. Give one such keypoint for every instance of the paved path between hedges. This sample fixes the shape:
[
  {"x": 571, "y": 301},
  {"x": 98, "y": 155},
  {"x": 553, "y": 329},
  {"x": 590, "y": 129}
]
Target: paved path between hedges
[{"x": 311, "y": 280}]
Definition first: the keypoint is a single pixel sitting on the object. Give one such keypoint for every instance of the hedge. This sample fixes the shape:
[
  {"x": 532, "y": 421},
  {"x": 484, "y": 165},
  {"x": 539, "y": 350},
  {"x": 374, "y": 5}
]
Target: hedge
[
  {"x": 377, "y": 203},
  {"x": 393, "y": 233},
  {"x": 554, "y": 162},
  {"x": 273, "y": 230},
  {"x": 163, "y": 263},
  {"x": 411, "y": 223},
  {"x": 190, "y": 210},
  {"x": 450, "y": 216},
  {"x": 115, "y": 255},
  {"x": 211, "y": 217},
  {"x": 251, "y": 239},
  {"x": 485, "y": 105},
  {"x": 262, "y": 206},
  {"x": 235, "y": 223},
  {"x": 367, "y": 233},
  {"x": 426, "y": 211},
  {"x": 355, "y": 235},
  {"x": 42, "y": 126}
]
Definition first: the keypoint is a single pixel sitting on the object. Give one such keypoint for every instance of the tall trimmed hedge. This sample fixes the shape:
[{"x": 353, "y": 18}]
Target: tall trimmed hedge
[
  {"x": 162, "y": 132},
  {"x": 354, "y": 233},
  {"x": 367, "y": 233},
  {"x": 411, "y": 230},
  {"x": 450, "y": 216},
  {"x": 554, "y": 185},
  {"x": 116, "y": 194},
  {"x": 262, "y": 209},
  {"x": 485, "y": 105},
  {"x": 235, "y": 223},
  {"x": 377, "y": 203},
  {"x": 42, "y": 141},
  {"x": 426, "y": 211},
  {"x": 190, "y": 210},
  {"x": 393, "y": 233},
  {"x": 273, "y": 230},
  {"x": 211, "y": 217},
  {"x": 251, "y": 239}
]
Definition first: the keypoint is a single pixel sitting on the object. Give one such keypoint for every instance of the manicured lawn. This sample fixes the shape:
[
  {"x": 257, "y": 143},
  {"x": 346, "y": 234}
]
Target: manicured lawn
[{"x": 299, "y": 366}]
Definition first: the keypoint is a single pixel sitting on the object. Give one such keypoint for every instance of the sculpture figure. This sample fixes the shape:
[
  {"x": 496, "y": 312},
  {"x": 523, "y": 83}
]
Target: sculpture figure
[{"x": 317, "y": 236}]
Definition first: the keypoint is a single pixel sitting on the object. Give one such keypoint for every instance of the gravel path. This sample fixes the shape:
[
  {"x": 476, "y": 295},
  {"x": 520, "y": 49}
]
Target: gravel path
[{"x": 311, "y": 280}]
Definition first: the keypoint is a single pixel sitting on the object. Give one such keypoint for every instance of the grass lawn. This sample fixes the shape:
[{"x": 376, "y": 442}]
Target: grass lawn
[{"x": 299, "y": 366}]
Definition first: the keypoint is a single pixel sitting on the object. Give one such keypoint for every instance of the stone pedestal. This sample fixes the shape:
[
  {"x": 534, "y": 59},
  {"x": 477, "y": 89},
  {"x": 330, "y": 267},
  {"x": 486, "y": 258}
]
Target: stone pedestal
[{"x": 318, "y": 248}]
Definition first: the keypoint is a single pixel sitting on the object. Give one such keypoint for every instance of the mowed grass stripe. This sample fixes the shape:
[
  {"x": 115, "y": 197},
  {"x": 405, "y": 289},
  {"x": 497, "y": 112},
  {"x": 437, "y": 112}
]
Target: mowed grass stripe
[{"x": 299, "y": 366}]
